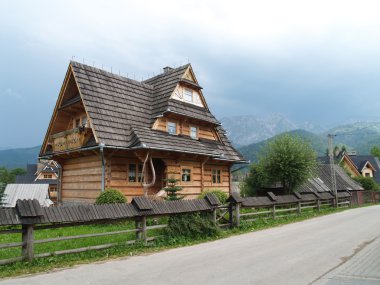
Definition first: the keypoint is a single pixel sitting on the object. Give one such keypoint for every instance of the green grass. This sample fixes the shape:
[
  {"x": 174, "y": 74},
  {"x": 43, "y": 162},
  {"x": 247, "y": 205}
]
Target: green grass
[{"x": 122, "y": 250}]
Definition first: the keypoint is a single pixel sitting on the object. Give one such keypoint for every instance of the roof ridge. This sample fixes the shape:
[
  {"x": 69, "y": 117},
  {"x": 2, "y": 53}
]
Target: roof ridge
[
  {"x": 108, "y": 73},
  {"x": 166, "y": 73}
]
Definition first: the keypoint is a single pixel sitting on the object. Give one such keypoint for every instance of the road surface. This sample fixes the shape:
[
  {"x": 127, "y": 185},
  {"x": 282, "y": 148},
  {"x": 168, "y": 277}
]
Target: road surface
[{"x": 309, "y": 252}]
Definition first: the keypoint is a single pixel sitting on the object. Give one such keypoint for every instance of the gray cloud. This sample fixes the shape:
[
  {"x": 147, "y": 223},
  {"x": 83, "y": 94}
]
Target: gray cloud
[{"x": 312, "y": 62}]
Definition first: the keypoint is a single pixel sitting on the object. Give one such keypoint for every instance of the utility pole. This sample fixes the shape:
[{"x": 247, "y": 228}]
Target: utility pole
[{"x": 332, "y": 169}]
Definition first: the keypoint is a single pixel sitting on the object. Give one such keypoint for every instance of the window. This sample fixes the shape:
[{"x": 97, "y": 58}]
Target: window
[
  {"x": 186, "y": 174},
  {"x": 172, "y": 128},
  {"x": 188, "y": 95},
  {"x": 216, "y": 176},
  {"x": 48, "y": 176},
  {"x": 134, "y": 172},
  {"x": 194, "y": 132},
  {"x": 367, "y": 174}
]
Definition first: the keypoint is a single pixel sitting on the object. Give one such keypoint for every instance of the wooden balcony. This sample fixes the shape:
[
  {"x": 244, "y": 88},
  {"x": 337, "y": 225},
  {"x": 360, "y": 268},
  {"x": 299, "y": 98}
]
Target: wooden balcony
[{"x": 70, "y": 139}]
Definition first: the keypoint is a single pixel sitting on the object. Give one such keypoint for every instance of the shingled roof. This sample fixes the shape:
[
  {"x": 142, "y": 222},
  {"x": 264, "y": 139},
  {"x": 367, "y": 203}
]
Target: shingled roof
[
  {"x": 361, "y": 160},
  {"x": 322, "y": 181},
  {"x": 123, "y": 111}
]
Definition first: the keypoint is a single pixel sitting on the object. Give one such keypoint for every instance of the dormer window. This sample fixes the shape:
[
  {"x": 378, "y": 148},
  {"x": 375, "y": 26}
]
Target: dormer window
[
  {"x": 193, "y": 132},
  {"x": 188, "y": 95},
  {"x": 172, "y": 128}
]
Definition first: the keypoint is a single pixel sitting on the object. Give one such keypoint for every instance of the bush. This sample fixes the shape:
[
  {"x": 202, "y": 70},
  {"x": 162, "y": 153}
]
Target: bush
[
  {"x": 368, "y": 183},
  {"x": 190, "y": 226},
  {"x": 110, "y": 196},
  {"x": 222, "y": 196}
]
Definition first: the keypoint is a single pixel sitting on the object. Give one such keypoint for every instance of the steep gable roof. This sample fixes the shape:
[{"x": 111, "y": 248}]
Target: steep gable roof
[
  {"x": 361, "y": 160},
  {"x": 122, "y": 111}
]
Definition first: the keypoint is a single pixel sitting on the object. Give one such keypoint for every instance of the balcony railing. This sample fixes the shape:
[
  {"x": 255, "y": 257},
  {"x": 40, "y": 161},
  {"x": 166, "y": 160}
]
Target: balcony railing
[{"x": 70, "y": 139}]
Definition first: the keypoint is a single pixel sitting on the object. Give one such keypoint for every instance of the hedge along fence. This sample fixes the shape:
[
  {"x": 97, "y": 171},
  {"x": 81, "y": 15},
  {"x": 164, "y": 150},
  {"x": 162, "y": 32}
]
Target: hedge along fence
[
  {"x": 271, "y": 206},
  {"x": 31, "y": 217}
]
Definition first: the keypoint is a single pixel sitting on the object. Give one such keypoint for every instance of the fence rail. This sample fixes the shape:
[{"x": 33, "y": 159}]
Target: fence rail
[{"x": 28, "y": 216}]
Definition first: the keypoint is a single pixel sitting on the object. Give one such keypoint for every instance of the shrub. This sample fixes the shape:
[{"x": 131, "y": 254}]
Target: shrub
[
  {"x": 190, "y": 226},
  {"x": 110, "y": 196},
  {"x": 368, "y": 183},
  {"x": 172, "y": 188},
  {"x": 222, "y": 196}
]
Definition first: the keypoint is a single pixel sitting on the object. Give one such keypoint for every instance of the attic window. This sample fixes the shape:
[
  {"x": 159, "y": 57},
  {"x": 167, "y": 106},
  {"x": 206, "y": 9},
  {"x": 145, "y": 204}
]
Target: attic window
[
  {"x": 188, "y": 95},
  {"x": 172, "y": 128}
]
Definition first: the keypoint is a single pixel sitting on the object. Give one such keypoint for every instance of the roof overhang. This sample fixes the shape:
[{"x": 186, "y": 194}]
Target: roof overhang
[
  {"x": 168, "y": 111},
  {"x": 144, "y": 147}
]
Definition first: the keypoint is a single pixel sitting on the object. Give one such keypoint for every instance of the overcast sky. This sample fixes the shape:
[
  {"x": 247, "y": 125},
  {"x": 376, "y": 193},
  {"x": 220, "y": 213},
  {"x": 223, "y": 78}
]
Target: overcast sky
[{"x": 315, "y": 61}]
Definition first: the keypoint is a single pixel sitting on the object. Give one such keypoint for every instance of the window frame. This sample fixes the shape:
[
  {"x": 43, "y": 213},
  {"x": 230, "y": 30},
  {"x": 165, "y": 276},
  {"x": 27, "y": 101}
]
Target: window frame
[
  {"x": 216, "y": 175},
  {"x": 186, "y": 167},
  {"x": 138, "y": 173},
  {"x": 48, "y": 176},
  {"x": 184, "y": 95},
  {"x": 176, "y": 127},
  {"x": 196, "y": 132}
]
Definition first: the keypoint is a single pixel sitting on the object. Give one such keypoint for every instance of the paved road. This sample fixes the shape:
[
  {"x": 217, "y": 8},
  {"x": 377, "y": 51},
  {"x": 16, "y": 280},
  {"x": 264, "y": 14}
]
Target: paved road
[{"x": 299, "y": 253}]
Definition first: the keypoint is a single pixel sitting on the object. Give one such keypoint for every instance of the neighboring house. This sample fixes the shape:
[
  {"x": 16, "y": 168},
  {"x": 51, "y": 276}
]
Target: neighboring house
[
  {"x": 323, "y": 182},
  {"x": 44, "y": 172},
  {"x": 108, "y": 131},
  {"x": 14, "y": 192},
  {"x": 361, "y": 165},
  {"x": 357, "y": 165}
]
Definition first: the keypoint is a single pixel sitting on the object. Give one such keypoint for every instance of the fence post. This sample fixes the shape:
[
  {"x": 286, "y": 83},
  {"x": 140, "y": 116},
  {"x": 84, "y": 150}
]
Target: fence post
[
  {"x": 237, "y": 214},
  {"x": 274, "y": 211},
  {"x": 318, "y": 205},
  {"x": 214, "y": 218},
  {"x": 138, "y": 228},
  {"x": 27, "y": 239},
  {"x": 299, "y": 208},
  {"x": 144, "y": 230},
  {"x": 231, "y": 213}
]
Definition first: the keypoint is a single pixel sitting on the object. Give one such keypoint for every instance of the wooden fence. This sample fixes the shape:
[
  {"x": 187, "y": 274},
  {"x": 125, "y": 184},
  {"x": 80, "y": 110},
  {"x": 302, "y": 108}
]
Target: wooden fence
[
  {"x": 250, "y": 209},
  {"x": 28, "y": 216}
]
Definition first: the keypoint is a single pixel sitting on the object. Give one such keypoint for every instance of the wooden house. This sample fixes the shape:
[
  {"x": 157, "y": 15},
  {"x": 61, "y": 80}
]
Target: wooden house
[
  {"x": 108, "y": 131},
  {"x": 361, "y": 165},
  {"x": 44, "y": 172}
]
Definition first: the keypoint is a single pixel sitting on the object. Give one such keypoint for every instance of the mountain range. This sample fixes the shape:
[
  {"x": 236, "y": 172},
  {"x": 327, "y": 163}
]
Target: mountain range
[
  {"x": 245, "y": 130},
  {"x": 250, "y": 133}
]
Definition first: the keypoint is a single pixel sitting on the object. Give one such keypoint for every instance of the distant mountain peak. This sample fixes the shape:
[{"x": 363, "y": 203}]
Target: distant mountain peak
[{"x": 246, "y": 129}]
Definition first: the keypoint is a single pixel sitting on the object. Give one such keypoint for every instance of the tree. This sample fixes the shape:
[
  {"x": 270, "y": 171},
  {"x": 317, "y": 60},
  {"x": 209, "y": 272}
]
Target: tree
[
  {"x": 2, "y": 194},
  {"x": 375, "y": 151},
  {"x": 7, "y": 177},
  {"x": 288, "y": 159},
  {"x": 172, "y": 188}
]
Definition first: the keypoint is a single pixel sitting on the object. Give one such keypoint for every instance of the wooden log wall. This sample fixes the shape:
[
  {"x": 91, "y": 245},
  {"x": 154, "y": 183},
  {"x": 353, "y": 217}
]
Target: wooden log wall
[
  {"x": 81, "y": 179},
  {"x": 183, "y": 128},
  {"x": 194, "y": 187},
  {"x": 117, "y": 176}
]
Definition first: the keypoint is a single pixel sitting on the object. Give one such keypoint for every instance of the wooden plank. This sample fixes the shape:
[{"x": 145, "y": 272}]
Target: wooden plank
[{"x": 83, "y": 236}]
